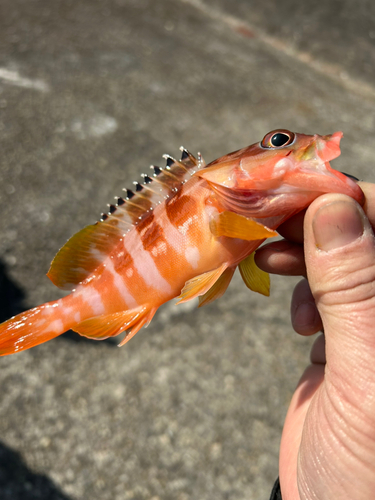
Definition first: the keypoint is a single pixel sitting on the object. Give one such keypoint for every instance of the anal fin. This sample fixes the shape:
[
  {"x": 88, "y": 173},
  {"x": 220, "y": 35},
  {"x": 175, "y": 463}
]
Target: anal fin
[
  {"x": 199, "y": 285},
  {"x": 237, "y": 226},
  {"x": 218, "y": 288},
  {"x": 110, "y": 325},
  {"x": 142, "y": 321},
  {"x": 254, "y": 278}
]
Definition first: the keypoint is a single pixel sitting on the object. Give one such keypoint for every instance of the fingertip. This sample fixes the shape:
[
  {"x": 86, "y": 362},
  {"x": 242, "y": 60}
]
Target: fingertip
[
  {"x": 281, "y": 257},
  {"x": 369, "y": 206},
  {"x": 305, "y": 317},
  {"x": 292, "y": 229}
]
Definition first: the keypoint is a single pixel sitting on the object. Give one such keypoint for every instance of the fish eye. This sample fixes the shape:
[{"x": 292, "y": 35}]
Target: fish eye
[{"x": 277, "y": 139}]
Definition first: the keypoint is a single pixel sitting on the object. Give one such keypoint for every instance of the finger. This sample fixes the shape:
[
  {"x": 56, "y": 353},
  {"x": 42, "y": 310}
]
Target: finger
[
  {"x": 318, "y": 351},
  {"x": 369, "y": 206},
  {"x": 305, "y": 316},
  {"x": 281, "y": 257},
  {"x": 292, "y": 229}
]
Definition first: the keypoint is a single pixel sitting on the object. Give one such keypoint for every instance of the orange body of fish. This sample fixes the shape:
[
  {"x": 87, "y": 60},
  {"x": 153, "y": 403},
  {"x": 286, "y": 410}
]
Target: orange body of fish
[{"x": 181, "y": 233}]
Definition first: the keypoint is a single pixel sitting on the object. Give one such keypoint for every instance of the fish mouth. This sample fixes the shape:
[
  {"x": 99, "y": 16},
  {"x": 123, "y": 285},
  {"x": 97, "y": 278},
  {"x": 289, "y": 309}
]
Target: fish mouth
[
  {"x": 328, "y": 146},
  {"x": 351, "y": 176},
  {"x": 321, "y": 147},
  {"x": 317, "y": 173}
]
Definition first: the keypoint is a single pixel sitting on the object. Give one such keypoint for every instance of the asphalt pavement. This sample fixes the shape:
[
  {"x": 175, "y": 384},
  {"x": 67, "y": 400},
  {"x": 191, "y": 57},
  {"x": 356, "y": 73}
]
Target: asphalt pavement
[{"x": 91, "y": 93}]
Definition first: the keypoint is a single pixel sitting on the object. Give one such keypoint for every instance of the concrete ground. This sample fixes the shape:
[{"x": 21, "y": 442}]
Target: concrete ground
[{"x": 91, "y": 93}]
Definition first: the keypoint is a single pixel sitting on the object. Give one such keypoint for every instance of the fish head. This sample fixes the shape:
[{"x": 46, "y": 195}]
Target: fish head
[{"x": 282, "y": 173}]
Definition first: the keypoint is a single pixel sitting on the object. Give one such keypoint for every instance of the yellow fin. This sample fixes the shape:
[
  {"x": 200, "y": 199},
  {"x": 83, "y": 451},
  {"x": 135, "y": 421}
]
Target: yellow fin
[
  {"x": 199, "y": 285},
  {"x": 82, "y": 254},
  {"x": 218, "y": 289},
  {"x": 237, "y": 226},
  {"x": 110, "y": 325},
  {"x": 142, "y": 320},
  {"x": 254, "y": 278}
]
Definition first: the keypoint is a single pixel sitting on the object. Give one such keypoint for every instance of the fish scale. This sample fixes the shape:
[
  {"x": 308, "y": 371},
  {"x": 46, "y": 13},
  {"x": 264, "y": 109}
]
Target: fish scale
[
  {"x": 99, "y": 239},
  {"x": 180, "y": 233}
]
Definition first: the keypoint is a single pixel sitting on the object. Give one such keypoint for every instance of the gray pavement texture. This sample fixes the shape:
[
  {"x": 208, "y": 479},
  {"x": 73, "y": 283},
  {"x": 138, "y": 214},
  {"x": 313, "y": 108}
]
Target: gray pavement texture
[{"x": 91, "y": 93}]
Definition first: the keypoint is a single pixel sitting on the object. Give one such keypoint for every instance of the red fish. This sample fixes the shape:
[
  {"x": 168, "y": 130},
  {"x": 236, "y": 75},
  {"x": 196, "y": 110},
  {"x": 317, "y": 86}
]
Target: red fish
[{"x": 181, "y": 233}]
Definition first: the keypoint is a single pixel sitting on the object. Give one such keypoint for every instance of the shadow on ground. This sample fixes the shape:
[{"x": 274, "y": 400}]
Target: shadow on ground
[
  {"x": 18, "y": 482},
  {"x": 11, "y": 296}
]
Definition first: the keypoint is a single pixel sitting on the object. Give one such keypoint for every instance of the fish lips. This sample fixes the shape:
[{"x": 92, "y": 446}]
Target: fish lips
[{"x": 351, "y": 176}]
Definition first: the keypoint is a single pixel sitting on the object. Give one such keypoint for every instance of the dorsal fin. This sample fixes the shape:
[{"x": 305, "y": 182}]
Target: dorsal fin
[
  {"x": 87, "y": 249},
  {"x": 157, "y": 187}
]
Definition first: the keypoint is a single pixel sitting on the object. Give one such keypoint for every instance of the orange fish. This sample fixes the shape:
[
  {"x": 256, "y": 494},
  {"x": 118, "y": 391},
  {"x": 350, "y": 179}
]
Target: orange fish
[{"x": 182, "y": 232}]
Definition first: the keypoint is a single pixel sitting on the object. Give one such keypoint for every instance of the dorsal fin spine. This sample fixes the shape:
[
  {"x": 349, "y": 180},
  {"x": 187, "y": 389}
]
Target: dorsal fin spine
[
  {"x": 146, "y": 192},
  {"x": 156, "y": 179},
  {"x": 156, "y": 169},
  {"x": 147, "y": 179},
  {"x": 186, "y": 154},
  {"x": 201, "y": 162},
  {"x": 172, "y": 161},
  {"x": 169, "y": 173},
  {"x": 138, "y": 187},
  {"x": 132, "y": 195},
  {"x": 153, "y": 191}
]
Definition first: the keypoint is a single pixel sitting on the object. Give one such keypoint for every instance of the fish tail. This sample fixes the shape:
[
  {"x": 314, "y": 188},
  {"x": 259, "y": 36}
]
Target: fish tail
[
  {"x": 45, "y": 322},
  {"x": 32, "y": 327}
]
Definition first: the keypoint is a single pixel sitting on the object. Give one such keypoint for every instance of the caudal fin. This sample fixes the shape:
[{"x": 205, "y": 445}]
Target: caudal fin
[{"x": 31, "y": 328}]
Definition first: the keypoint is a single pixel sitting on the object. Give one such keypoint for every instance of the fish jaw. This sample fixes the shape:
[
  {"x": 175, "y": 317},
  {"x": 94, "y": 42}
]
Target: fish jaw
[
  {"x": 322, "y": 181},
  {"x": 259, "y": 180}
]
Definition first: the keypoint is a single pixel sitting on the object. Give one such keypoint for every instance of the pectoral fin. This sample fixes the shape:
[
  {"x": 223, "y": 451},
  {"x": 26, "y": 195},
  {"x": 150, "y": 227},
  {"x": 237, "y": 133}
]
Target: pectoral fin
[
  {"x": 237, "y": 226},
  {"x": 254, "y": 278},
  {"x": 199, "y": 285},
  {"x": 218, "y": 289}
]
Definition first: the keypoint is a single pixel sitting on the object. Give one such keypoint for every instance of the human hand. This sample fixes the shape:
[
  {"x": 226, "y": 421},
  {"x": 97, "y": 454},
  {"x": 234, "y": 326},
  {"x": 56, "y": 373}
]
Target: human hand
[{"x": 328, "y": 442}]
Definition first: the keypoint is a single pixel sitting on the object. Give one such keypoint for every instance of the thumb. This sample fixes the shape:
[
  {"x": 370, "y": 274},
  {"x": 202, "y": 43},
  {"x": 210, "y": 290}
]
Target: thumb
[
  {"x": 329, "y": 433},
  {"x": 340, "y": 260}
]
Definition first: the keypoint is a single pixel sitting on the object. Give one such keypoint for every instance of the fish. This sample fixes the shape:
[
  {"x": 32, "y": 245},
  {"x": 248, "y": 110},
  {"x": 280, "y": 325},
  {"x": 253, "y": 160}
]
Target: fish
[{"x": 182, "y": 233}]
